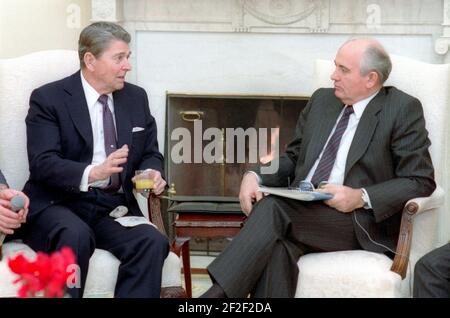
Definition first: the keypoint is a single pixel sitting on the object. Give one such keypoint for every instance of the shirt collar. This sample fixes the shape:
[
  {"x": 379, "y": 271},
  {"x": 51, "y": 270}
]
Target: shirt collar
[
  {"x": 91, "y": 94},
  {"x": 360, "y": 106}
]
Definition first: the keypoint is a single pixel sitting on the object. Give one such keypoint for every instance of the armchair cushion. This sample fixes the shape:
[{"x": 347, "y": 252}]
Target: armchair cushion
[{"x": 352, "y": 273}]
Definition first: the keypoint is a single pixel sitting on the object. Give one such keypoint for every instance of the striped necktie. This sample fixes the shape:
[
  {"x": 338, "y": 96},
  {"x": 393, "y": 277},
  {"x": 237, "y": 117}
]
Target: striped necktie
[{"x": 326, "y": 163}]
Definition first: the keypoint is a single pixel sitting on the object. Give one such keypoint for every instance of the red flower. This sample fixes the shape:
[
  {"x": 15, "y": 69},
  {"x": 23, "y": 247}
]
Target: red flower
[{"x": 46, "y": 275}]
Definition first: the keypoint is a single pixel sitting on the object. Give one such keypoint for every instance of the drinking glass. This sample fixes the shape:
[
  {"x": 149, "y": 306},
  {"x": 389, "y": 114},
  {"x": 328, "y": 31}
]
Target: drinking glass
[{"x": 144, "y": 182}]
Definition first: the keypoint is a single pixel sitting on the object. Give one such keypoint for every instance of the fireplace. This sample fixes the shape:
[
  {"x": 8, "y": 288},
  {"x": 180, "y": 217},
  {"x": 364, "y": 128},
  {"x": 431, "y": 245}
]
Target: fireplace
[{"x": 204, "y": 157}]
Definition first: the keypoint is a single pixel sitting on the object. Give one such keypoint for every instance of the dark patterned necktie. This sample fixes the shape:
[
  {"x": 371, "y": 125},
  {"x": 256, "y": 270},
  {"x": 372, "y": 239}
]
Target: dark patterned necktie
[
  {"x": 109, "y": 132},
  {"x": 326, "y": 163}
]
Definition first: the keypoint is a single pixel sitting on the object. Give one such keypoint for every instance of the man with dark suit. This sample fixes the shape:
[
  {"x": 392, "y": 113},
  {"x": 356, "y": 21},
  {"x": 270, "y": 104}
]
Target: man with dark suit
[
  {"x": 87, "y": 135},
  {"x": 432, "y": 274},
  {"x": 370, "y": 145},
  {"x": 10, "y": 220}
]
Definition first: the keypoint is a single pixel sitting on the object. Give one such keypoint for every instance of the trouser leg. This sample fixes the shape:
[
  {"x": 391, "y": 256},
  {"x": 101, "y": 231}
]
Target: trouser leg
[
  {"x": 141, "y": 250},
  {"x": 248, "y": 258},
  {"x": 239, "y": 266},
  {"x": 432, "y": 274},
  {"x": 277, "y": 279}
]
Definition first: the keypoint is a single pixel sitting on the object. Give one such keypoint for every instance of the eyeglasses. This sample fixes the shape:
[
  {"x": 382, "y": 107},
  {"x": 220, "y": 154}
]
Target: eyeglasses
[{"x": 306, "y": 185}]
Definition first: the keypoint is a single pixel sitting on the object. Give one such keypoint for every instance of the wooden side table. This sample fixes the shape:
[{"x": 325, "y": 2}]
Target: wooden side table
[{"x": 204, "y": 225}]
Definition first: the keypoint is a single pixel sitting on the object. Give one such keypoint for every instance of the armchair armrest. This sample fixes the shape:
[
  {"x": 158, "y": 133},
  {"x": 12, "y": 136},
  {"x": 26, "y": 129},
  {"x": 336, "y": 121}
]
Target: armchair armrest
[
  {"x": 154, "y": 212},
  {"x": 412, "y": 208},
  {"x": 435, "y": 200}
]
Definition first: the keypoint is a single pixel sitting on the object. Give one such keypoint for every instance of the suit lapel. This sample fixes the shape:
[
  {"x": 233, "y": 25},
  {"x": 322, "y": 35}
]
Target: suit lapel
[
  {"x": 322, "y": 132},
  {"x": 123, "y": 121},
  {"x": 78, "y": 109},
  {"x": 366, "y": 128},
  {"x": 122, "y": 116}
]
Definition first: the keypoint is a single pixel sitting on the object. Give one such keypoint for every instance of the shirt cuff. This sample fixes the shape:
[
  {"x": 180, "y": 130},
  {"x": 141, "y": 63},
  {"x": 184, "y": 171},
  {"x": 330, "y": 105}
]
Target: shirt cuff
[
  {"x": 258, "y": 178},
  {"x": 84, "y": 184},
  {"x": 369, "y": 204}
]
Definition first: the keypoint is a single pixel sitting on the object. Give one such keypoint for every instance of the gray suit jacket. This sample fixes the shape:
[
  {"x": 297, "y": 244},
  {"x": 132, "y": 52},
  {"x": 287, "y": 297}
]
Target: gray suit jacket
[{"x": 388, "y": 157}]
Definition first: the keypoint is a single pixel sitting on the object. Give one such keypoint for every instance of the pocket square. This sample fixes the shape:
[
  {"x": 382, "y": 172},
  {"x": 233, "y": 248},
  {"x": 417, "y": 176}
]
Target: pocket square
[{"x": 136, "y": 129}]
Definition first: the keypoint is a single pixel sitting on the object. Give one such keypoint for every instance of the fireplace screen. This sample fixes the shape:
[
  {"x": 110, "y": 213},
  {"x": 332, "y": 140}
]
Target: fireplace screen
[
  {"x": 211, "y": 140},
  {"x": 205, "y": 154}
]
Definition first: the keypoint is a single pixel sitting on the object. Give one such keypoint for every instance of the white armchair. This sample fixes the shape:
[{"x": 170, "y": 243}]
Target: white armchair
[
  {"x": 18, "y": 77},
  {"x": 368, "y": 274}
]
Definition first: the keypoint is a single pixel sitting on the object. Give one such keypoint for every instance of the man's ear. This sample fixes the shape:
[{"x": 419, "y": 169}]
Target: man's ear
[
  {"x": 89, "y": 60},
  {"x": 373, "y": 79}
]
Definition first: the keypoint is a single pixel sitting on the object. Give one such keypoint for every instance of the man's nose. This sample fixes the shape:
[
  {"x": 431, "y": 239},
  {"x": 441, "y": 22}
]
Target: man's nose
[
  {"x": 127, "y": 65},
  {"x": 334, "y": 76}
]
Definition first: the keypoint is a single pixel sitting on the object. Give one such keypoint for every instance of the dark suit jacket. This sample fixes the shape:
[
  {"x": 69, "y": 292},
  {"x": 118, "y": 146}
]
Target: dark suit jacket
[
  {"x": 2, "y": 178},
  {"x": 60, "y": 142},
  {"x": 388, "y": 157}
]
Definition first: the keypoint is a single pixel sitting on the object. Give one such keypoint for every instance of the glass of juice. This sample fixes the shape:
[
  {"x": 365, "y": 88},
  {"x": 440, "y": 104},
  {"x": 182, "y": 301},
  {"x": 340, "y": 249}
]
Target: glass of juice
[{"x": 144, "y": 182}]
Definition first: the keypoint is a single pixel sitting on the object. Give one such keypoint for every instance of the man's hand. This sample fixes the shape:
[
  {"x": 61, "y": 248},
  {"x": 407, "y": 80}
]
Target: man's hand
[
  {"x": 10, "y": 220},
  {"x": 249, "y": 192},
  {"x": 110, "y": 165},
  {"x": 345, "y": 199},
  {"x": 159, "y": 182}
]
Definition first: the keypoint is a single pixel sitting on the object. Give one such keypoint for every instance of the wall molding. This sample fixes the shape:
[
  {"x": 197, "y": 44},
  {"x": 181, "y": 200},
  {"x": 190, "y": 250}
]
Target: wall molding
[
  {"x": 442, "y": 44},
  {"x": 344, "y": 17},
  {"x": 412, "y": 17},
  {"x": 107, "y": 10}
]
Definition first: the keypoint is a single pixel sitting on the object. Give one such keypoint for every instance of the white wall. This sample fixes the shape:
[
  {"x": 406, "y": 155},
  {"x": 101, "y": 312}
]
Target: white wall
[{"x": 32, "y": 25}]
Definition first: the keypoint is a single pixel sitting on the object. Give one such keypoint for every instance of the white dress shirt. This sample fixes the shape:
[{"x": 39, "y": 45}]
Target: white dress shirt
[
  {"x": 338, "y": 170},
  {"x": 96, "y": 115}
]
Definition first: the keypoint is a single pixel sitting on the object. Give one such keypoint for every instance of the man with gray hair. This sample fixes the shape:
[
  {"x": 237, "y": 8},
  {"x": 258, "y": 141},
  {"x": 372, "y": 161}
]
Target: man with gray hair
[
  {"x": 364, "y": 144},
  {"x": 87, "y": 135}
]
